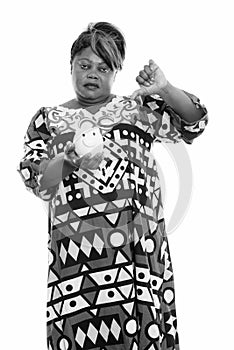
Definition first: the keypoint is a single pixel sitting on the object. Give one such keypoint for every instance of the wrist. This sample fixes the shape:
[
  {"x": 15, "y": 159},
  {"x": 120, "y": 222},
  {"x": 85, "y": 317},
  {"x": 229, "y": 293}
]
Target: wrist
[
  {"x": 166, "y": 90},
  {"x": 70, "y": 165}
]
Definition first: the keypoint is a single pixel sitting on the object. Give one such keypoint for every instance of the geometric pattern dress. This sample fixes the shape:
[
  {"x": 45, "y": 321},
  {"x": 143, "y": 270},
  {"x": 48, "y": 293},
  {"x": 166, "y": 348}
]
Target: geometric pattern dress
[{"x": 110, "y": 276}]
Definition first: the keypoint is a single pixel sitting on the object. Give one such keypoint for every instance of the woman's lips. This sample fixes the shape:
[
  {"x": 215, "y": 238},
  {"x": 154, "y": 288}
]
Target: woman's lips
[{"x": 91, "y": 86}]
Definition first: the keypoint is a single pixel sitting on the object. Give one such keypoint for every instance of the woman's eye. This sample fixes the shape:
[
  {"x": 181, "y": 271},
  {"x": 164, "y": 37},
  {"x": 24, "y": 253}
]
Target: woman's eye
[
  {"x": 84, "y": 66},
  {"x": 104, "y": 69}
]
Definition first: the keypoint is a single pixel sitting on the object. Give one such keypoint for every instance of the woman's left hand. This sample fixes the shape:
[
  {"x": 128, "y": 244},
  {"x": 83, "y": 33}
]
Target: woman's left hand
[{"x": 151, "y": 80}]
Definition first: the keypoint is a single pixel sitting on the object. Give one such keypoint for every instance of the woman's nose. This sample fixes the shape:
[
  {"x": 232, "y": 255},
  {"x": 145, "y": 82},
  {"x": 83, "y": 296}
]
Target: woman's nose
[{"x": 93, "y": 74}]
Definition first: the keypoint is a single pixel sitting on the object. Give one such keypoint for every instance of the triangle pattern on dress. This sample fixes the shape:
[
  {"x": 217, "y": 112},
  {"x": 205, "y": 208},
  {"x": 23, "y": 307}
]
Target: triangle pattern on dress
[
  {"x": 87, "y": 283},
  {"x": 100, "y": 207},
  {"x": 84, "y": 268},
  {"x": 94, "y": 311},
  {"x": 119, "y": 259},
  {"x": 92, "y": 211},
  {"x": 73, "y": 216},
  {"x": 121, "y": 203},
  {"x": 89, "y": 297},
  {"x": 82, "y": 211},
  {"x": 123, "y": 275},
  {"x": 75, "y": 225},
  {"x": 63, "y": 217},
  {"x": 113, "y": 218},
  {"x": 134, "y": 345},
  {"x": 125, "y": 290},
  {"x": 58, "y": 307},
  {"x": 56, "y": 293},
  {"x": 52, "y": 277},
  {"x": 59, "y": 325},
  {"x": 153, "y": 225},
  {"x": 129, "y": 307},
  {"x": 111, "y": 206}
]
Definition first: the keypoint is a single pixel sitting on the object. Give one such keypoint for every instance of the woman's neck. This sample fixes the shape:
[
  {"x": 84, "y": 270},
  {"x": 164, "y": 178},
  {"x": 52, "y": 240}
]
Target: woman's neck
[{"x": 84, "y": 103}]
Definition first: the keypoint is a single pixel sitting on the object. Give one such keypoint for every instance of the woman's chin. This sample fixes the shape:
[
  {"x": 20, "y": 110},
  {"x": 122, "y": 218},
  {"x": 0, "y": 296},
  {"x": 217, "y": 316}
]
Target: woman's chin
[
  {"x": 96, "y": 95},
  {"x": 91, "y": 94}
]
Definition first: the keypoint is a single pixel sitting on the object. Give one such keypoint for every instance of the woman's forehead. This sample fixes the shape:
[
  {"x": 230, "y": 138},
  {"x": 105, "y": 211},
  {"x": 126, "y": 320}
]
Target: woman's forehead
[{"x": 89, "y": 55}]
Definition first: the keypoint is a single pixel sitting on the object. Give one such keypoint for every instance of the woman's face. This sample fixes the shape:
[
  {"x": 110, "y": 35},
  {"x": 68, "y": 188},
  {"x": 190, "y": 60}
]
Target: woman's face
[{"x": 91, "y": 77}]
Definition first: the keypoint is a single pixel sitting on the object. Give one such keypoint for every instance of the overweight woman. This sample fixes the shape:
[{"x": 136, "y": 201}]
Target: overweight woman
[{"x": 110, "y": 276}]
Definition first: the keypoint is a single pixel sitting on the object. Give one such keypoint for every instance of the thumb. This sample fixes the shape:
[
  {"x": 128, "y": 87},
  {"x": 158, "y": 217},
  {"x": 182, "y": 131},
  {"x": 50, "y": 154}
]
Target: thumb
[
  {"x": 138, "y": 93},
  {"x": 152, "y": 64}
]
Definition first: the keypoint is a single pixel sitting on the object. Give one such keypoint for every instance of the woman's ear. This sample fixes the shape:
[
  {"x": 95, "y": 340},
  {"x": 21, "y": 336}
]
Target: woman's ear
[{"x": 71, "y": 67}]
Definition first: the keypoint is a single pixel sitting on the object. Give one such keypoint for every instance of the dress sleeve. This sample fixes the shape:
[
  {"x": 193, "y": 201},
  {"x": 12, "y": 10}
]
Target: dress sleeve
[
  {"x": 168, "y": 126},
  {"x": 36, "y": 156}
]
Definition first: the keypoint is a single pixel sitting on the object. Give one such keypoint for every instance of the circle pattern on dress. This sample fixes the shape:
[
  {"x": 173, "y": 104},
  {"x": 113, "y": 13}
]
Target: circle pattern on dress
[
  {"x": 150, "y": 245},
  {"x": 64, "y": 344},
  {"x": 131, "y": 327},
  {"x": 152, "y": 331},
  {"x": 168, "y": 295},
  {"x": 117, "y": 238}
]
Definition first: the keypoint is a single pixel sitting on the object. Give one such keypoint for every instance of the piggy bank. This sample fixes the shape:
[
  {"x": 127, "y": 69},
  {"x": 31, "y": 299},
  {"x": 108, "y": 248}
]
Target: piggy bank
[{"x": 88, "y": 141}]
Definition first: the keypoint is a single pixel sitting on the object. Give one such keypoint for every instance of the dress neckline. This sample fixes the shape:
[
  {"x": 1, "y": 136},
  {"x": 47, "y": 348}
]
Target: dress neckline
[{"x": 114, "y": 99}]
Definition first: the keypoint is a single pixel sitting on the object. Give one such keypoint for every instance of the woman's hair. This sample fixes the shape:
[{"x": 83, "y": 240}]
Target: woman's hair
[{"x": 105, "y": 40}]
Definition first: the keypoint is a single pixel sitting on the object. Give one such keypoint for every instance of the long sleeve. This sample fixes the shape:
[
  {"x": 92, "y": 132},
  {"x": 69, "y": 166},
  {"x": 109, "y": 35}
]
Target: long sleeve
[
  {"x": 168, "y": 126},
  {"x": 36, "y": 156}
]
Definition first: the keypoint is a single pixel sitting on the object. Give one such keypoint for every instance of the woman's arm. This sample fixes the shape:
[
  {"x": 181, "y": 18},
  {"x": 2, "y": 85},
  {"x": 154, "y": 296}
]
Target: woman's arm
[
  {"x": 55, "y": 171},
  {"x": 177, "y": 114},
  {"x": 65, "y": 163},
  {"x": 40, "y": 172},
  {"x": 153, "y": 81},
  {"x": 181, "y": 103}
]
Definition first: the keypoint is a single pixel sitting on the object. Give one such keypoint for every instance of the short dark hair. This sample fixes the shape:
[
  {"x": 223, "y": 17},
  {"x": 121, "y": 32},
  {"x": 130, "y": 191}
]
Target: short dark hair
[{"x": 105, "y": 40}]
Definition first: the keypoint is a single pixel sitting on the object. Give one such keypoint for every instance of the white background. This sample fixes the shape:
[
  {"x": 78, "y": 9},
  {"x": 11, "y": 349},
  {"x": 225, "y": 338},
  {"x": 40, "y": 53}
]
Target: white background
[{"x": 192, "y": 42}]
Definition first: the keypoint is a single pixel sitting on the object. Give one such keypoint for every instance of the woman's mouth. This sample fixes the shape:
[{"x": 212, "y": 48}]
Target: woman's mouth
[{"x": 91, "y": 86}]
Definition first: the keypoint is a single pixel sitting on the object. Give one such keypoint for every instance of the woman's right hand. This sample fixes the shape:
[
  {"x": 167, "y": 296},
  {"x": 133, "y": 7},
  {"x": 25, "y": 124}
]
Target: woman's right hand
[{"x": 86, "y": 162}]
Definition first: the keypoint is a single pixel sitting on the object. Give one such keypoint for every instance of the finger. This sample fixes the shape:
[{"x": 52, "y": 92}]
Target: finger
[
  {"x": 143, "y": 75},
  {"x": 142, "y": 81},
  {"x": 148, "y": 70},
  {"x": 153, "y": 67},
  {"x": 69, "y": 143},
  {"x": 96, "y": 157},
  {"x": 70, "y": 155},
  {"x": 93, "y": 164},
  {"x": 70, "y": 147},
  {"x": 135, "y": 96},
  {"x": 140, "y": 92},
  {"x": 100, "y": 154},
  {"x": 86, "y": 158},
  {"x": 73, "y": 159}
]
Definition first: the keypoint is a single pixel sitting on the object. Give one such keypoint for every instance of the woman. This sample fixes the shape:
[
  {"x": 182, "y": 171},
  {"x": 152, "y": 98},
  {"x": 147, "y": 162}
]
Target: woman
[{"x": 110, "y": 281}]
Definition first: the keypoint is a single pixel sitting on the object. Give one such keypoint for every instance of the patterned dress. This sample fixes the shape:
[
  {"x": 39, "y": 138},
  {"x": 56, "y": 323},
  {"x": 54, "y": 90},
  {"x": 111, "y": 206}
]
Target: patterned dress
[{"x": 110, "y": 276}]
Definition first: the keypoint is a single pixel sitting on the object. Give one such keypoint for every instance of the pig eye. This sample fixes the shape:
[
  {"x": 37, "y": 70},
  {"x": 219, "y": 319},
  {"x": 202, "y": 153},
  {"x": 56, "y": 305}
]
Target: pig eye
[
  {"x": 83, "y": 135},
  {"x": 93, "y": 133}
]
